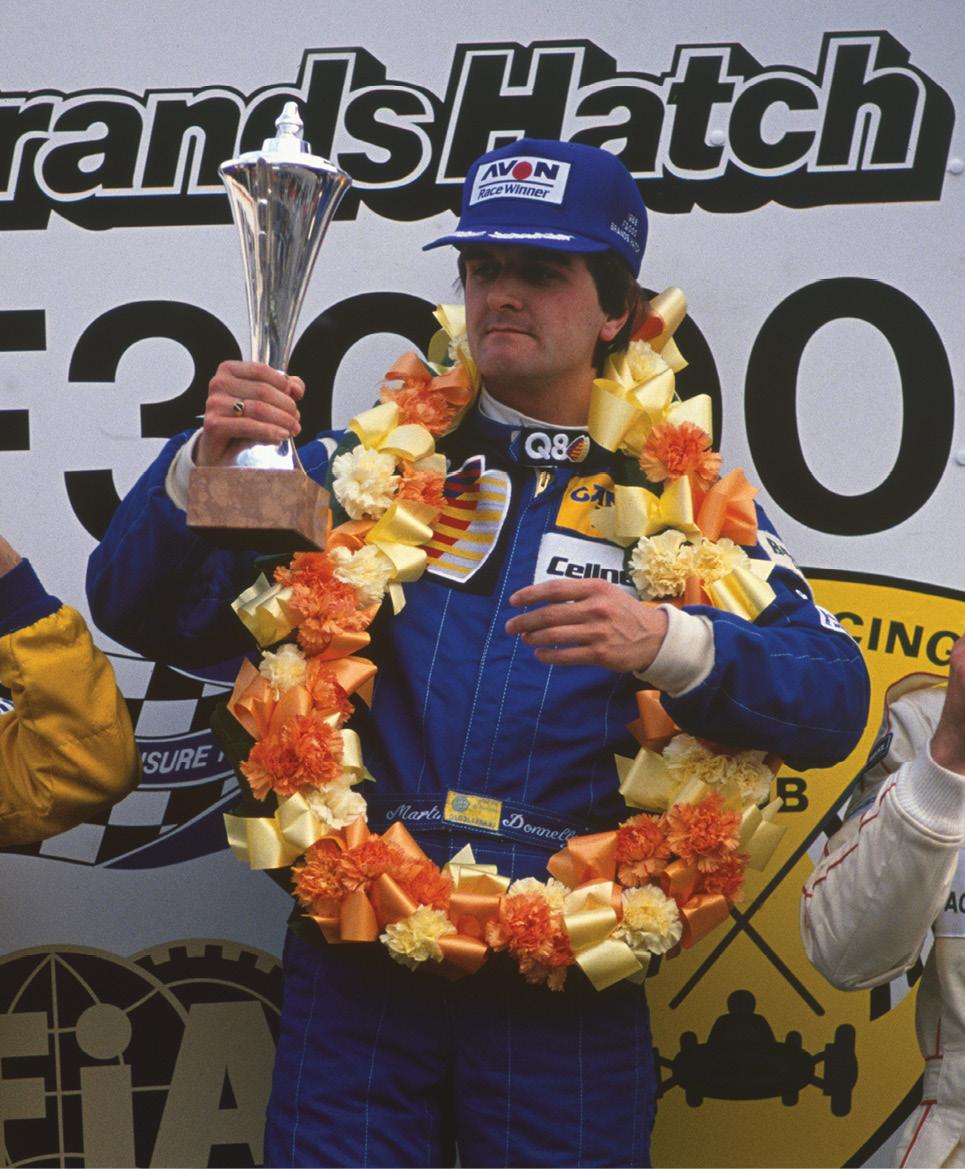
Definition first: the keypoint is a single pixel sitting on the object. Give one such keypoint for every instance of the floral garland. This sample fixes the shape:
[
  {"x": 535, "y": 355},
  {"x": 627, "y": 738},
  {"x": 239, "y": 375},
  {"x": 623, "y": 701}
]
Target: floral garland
[{"x": 613, "y": 900}]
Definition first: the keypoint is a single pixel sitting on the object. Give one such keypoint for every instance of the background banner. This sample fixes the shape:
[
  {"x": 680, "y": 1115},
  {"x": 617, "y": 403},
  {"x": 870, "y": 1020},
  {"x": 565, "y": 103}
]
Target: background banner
[{"x": 803, "y": 167}]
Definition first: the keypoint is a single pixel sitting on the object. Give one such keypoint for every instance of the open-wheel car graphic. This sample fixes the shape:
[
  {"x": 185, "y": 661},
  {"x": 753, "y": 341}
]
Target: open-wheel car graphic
[{"x": 742, "y": 1060}]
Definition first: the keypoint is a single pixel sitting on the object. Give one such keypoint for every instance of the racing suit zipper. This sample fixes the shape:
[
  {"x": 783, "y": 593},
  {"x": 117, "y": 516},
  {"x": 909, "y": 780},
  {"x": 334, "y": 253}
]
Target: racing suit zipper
[{"x": 543, "y": 479}]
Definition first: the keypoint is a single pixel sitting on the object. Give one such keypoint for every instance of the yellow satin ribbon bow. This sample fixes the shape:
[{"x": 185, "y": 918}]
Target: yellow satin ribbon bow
[
  {"x": 590, "y": 918},
  {"x": 744, "y": 591},
  {"x": 379, "y": 430},
  {"x": 276, "y": 841},
  {"x": 623, "y": 409},
  {"x": 263, "y": 610},
  {"x": 759, "y": 835},
  {"x": 637, "y": 512},
  {"x": 452, "y": 318}
]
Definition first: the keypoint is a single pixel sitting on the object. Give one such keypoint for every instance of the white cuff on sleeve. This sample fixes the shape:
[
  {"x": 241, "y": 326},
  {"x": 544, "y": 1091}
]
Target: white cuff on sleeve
[
  {"x": 179, "y": 473},
  {"x": 932, "y": 796},
  {"x": 686, "y": 656}
]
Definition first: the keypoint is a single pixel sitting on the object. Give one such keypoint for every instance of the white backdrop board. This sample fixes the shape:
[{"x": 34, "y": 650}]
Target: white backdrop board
[{"x": 803, "y": 167}]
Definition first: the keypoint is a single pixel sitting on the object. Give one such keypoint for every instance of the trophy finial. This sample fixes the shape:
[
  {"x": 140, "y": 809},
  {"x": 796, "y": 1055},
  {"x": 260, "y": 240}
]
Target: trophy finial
[
  {"x": 288, "y": 141},
  {"x": 289, "y": 123}
]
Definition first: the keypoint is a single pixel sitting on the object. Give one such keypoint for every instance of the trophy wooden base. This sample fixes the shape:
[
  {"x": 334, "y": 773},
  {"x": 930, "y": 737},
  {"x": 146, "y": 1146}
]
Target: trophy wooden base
[{"x": 258, "y": 509}]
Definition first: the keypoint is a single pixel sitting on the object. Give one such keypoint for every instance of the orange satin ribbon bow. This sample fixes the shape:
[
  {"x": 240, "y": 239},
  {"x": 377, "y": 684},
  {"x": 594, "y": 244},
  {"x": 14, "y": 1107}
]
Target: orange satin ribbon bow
[
  {"x": 727, "y": 510},
  {"x": 455, "y": 385}
]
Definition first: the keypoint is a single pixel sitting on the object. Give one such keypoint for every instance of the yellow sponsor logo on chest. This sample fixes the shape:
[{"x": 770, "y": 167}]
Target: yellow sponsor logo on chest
[{"x": 583, "y": 496}]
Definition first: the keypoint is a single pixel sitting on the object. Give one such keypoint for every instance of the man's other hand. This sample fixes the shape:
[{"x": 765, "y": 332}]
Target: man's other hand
[
  {"x": 948, "y": 742},
  {"x": 589, "y": 623}
]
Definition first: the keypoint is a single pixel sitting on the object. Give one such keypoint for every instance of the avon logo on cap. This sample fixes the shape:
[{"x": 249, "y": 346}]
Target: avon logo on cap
[{"x": 521, "y": 177}]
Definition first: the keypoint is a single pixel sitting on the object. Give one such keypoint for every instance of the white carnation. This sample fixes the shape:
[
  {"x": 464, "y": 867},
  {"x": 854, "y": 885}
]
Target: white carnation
[
  {"x": 364, "y": 482},
  {"x": 335, "y": 805},
  {"x": 284, "y": 668},
  {"x": 651, "y": 921},
  {"x": 368, "y": 571}
]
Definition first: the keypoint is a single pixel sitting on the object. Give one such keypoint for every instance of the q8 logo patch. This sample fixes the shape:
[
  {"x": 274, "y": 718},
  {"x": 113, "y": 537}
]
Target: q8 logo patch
[
  {"x": 760, "y": 1061},
  {"x": 549, "y": 448}
]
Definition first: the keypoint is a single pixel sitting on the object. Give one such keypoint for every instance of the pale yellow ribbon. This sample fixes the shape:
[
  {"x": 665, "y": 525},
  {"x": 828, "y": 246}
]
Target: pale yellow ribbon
[
  {"x": 590, "y": 919},
  {"x": 263, "y": 610},
  {"x": 637, "y": 512},
  {"x": 379, "y": 430},
  {"x": 759, "y": 835},
  {"x": 744, "y": 590}
]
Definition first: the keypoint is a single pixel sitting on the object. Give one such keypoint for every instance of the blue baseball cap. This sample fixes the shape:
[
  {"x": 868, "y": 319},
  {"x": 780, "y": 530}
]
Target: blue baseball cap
[{"x": 540, "y": 193}]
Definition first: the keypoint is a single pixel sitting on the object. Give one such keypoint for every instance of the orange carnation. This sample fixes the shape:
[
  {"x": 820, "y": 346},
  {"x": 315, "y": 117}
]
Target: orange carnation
[
  {"x": 360, "y": 867},
  {"x": 317, "y": 885},
  {"x": 325, "y": 605},
  {"x": 327, "y": 694},
  {"x": 703, "y": 834},
  {"x": 421, "y": 486},
  {"x": 642, "y": 849},
  {"x": 529, "y": 928},
  {"x": 423, "y": 400},
  {"x": 727, "y": 878},
  {"x": 309, "y": 570},
  {"x": 671, "y": 452},
  {"x": 306, "y": 752},
  {"x": 426, "y": 884},
  {"x": 422, "y": 406}
]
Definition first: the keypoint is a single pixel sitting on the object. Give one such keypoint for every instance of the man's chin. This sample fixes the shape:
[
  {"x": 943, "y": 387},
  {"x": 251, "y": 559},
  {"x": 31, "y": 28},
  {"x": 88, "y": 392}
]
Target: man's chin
[{"x": 502, "y": 353}]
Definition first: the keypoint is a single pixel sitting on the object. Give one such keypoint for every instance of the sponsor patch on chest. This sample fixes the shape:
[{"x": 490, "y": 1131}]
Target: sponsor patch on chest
[
  {"x": 569, "y": 558},
  {"x": 584, "y": 494},
  {"x": 774, "y": 550}
]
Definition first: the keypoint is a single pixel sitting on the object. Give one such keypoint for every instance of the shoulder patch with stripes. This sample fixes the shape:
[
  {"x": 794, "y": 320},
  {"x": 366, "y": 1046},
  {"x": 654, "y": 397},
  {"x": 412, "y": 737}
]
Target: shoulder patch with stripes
[{"x": 476, "y": 505}]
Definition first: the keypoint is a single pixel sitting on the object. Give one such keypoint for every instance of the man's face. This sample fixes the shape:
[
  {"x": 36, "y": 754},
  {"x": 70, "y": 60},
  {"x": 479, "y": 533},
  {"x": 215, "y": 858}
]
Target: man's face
[{"x": 533, "y": 319}]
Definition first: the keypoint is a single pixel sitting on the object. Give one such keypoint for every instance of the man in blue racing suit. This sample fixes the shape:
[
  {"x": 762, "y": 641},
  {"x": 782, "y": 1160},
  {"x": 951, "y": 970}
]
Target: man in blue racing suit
[{"x": 510, "y": 681}]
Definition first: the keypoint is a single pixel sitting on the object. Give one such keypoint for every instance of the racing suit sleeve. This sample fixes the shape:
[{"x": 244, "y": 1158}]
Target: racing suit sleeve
[
  {"x": 67, "y": 748},
  {"x": 867, "y": 907},
  {"x": 792, "y": 682},
  {"x": 164, "y": 591}
]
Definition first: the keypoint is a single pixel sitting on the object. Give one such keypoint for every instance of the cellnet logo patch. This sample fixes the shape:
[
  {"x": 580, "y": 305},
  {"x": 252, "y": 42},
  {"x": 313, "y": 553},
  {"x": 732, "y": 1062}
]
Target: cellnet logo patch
[
  {"x": 568, "y": 558},
  {"x": 521, "y": 178}
]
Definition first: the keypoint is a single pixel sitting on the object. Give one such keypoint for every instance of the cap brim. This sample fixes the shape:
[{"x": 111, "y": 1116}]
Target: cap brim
[{"x": 524, "y": 237}]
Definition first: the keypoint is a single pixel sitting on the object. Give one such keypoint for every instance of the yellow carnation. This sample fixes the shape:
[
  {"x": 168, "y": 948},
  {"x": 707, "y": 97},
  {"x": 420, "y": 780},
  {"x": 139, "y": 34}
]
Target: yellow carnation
[
  {"x": 364, "y": 482},
  {"x": 687, "y": 759},
  {"x": 284, "y": 668},
  {"x": 651, "y": 921},
  {"x": 659, "y": 565},
  {"x": 713, "y": 561},
  {"x": 416, "y": 939},
  {"x": 553, "y": 892},
  {"x": 335, "y": 805},
  {"x": 368, "y": 571}
]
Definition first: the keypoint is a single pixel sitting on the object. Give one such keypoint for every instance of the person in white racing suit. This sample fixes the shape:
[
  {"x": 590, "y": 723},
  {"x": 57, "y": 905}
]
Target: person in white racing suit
[{"x": 890, "y": 876}]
